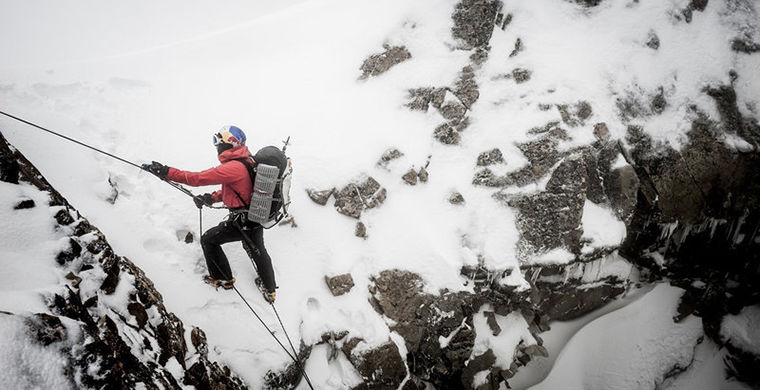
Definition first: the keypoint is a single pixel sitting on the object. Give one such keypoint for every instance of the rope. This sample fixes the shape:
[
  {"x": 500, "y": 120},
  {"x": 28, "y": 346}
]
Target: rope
[
  {"x": 295, "y": 354},
  {"x": 291, "y": 344},
  {"x": 200, "y": 222},
  {"x": 175, "y": 185}
]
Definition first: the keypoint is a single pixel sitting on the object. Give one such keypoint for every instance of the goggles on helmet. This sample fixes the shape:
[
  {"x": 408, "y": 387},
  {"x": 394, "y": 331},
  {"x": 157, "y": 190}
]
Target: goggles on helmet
[{"x": 217, "y": 139}]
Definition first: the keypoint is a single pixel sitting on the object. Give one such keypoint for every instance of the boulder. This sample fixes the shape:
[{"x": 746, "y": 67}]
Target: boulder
[
  {"x": 358, "y": 196},
  {"x": 410, "y": 177},
  {"x": 381, "y": 367},
  {"x": 339, "y": 284},
  {"x": 490, "y": 157},
  {"x": 474, "y": 21},
  {"x": 320, "y": 197},
  {"x": 378, "y": 64}
]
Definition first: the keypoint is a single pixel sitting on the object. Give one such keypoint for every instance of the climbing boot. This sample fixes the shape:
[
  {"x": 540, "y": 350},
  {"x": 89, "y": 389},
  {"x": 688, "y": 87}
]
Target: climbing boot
[{"x": 225, "y": 284}]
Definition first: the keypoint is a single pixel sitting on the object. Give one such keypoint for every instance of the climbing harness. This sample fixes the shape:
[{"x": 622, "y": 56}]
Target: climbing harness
[{"x": 184, "y": 190}]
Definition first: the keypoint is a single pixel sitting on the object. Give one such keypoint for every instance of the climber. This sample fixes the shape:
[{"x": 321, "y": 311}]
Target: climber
[{"x": 236, "y": 183}]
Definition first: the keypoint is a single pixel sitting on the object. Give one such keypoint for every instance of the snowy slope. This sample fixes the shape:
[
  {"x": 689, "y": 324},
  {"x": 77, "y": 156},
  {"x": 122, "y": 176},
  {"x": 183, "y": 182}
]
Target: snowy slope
[{"x": 145, "y": 88}]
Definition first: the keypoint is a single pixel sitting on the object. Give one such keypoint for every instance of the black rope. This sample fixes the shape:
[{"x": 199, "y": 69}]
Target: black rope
[
  {"x": 293, "y": 357},
  {"x": 291, "y": 344},
  {"x": 175, "y": 185}
]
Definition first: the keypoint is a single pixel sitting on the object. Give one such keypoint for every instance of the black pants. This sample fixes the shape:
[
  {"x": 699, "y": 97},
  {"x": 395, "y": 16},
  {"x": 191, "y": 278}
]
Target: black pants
[{"x": 229, "y": 231}]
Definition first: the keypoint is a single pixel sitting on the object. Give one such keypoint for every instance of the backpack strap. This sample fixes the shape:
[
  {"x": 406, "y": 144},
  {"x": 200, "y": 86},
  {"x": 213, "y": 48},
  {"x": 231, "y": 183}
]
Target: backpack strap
[{"x": 251, "y": 173}]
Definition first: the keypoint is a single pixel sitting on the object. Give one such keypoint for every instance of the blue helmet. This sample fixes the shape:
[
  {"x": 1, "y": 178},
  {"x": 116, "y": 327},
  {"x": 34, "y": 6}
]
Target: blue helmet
[{"x": 230, "y": 135}]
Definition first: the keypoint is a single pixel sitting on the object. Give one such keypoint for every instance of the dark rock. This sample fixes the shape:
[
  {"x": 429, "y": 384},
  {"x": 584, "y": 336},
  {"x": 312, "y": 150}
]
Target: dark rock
[
  {"x": 361, "y": 230},
  {"x": 478, "y": 364},
  {"x": 291, "y": 376},
  {"x": 114, "y": 191},
  {"x": 381, "y": 367},
  {"x": 63, "y": 217},
  {"x": 491, "y": 320},
  {"x": 474, "y": 21},
  {"x": 456, "y": 198},
  {"x": 107, "y": 357},
  {"x": 447, "y": 134},
  {"x": 74, "y": 251},
  {"x": 320, "y": 197},
  {"x": 138, "y": 311},
  {"x": 745, "y": 46},
  {"x": 653, "y": 41},
  {"x": 340, "y": 284},
  {"x": 356, "y": 197},
  {"x": 601, "y": 132},
  {"x": 465, "y": 88},
  {"x": 423, "y": 175},
  {"x": 622, "y": 187},
  {"x": 568, "y": 301},
  {"x": 576, "y": 115},
  {"x": 416, "y": 317},
  {"x": 410, "y": 177},
  {"x": 24, "y": 204},
  {"x": 378, "y": 64},
  {"x": 570, "y": 177},
  {"x": 420, "y": 99},
  {"x": 731, "y": 117},
  {"x": 75, "y": 280},
  {"x": 658, "y": 103},
  {"x": 521, "y": 75},
  {"x": 486, "y": 177},
  {"x": 589, "y": 3},
  {"x": 536, "y": 350},
  {"x": 388, "y": 156},
  {"x": 46, "y": 329},
  {"x": 541, "y": 154},
  {"x": 548, "y": 220},
  {"x": 490, "y": 157},
  {"x": 687, "y": 305},
  {"x": 479, "y": 56},
  {"x": 453, "y": 111},
  {"x": 189, "y": 238},
  {"x": 518, "y": 48},
  {"x": 694, "y": 5}
]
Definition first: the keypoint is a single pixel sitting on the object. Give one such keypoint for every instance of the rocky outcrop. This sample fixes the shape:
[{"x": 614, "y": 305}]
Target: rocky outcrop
[
  {"x": 339, "y": 284},
  {"x": 474, "y": 21},
  {"x": 130, "y": 345},
  {"x": 378, "y": 64},
  {"x": 697, "y": 214},
  {"x": 356, "y": 197}
]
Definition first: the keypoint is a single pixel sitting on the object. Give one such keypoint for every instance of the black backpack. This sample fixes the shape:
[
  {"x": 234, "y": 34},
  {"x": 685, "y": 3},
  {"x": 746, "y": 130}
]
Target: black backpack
[{"x": 271, "y": 175}]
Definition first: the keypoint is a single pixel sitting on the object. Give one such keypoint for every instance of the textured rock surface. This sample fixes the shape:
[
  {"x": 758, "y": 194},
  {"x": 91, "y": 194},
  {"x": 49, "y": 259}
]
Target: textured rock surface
[
  {"x": 356, "y": 197},
  {"x": 339, "y": 284},
  {"x": 116, "y": 350},
  {"x": 378, "y": 64}
]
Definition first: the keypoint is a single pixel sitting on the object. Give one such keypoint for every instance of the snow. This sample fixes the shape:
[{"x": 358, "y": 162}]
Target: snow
[
  {"x": 632, "y": 348},
  {"x": 514, "y": 332},
  {"x": 27, "y": 364},
  {"x": 151, "y": 81},
  {"x": 743, "y": 330},
  {"x": 601, "y": 227}
]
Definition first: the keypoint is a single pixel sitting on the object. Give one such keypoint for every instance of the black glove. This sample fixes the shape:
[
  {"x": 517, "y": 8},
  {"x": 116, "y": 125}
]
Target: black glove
[
  {"x": 201, "y": 200},
  {"x": 157, "y": 169}
]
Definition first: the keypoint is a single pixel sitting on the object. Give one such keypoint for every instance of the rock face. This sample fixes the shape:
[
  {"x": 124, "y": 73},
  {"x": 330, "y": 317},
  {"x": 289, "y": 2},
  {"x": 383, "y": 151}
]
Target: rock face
[
  {"x": 474, "y": 21},
  {"x": 339, "y": 284},
  {"x": 117, "y": 347},
  {"x": 356, "y": 197},
  {"x": 698, "y": 205},
  {"x": 378, "y": 64},
  {"x": 398, "y": 295}
]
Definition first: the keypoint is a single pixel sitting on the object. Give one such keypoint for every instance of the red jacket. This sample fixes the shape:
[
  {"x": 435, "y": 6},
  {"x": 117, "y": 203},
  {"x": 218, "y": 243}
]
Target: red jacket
[{"x": 232, "y": 175}]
